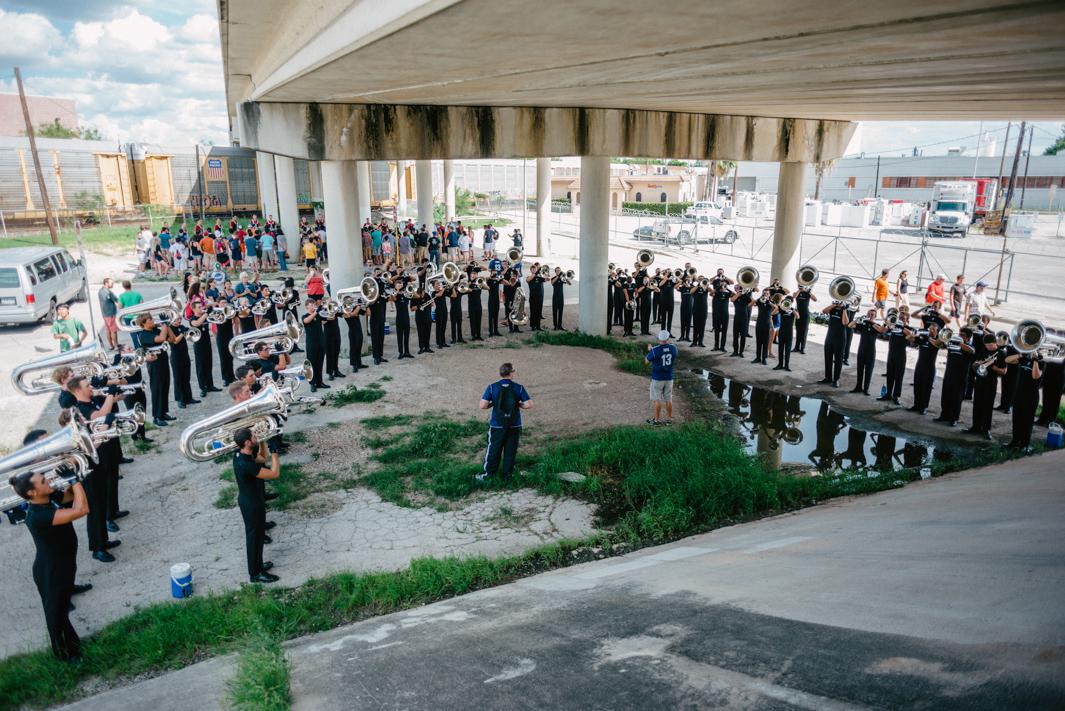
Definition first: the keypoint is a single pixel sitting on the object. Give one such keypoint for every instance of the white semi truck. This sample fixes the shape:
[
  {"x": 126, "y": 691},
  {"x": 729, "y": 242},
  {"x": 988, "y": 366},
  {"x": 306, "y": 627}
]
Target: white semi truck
[{"x": 953, "y": 206}]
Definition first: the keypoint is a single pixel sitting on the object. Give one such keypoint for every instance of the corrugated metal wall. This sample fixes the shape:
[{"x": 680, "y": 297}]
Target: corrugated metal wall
[{"x": 78, "y": 174}]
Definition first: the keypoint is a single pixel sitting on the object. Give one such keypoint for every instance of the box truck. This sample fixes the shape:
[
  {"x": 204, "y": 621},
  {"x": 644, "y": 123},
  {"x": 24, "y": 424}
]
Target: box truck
[{"x": 953, "y": 207}]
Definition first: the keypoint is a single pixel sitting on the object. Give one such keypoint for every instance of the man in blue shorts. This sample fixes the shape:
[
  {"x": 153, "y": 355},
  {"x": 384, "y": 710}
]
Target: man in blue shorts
[{"x": 662, "y": 356}]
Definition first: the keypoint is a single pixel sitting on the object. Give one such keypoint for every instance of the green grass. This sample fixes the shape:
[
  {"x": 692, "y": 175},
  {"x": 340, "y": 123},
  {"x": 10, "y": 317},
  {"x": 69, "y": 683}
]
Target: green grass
[
  {"x": 227, "y": 496},
  {"x": 629, "y": 354},
  {"x": 115, "y": 240},
  {"x": 262, "y": 679},
  {"x": 385, "y": 421},
  {"x": 292, "y": 486},
  {"x": 352, "y": 394}
]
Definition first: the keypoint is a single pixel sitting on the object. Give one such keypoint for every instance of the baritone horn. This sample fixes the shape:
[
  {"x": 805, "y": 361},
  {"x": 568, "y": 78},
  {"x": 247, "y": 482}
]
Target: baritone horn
[
  {"x": 366, "y": 293},
  {"x": 214, "y": 436},
  {"x": 65, "y": 456},
  {"x": 281, "y": 337},
  {"x": 841, "y": 289},
  {"x": 169, "y": 309},
  {"x": 1031, "y": 336},
  {"x": 35, "y": 377},
  {"x": 645, "y": 258},
  {"x": 806, "y": 276},
  {"x": 974, "y": 321}
]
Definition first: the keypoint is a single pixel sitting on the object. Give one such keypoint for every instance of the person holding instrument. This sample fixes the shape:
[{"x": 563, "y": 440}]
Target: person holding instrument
[{"x": 250, "y": 471}]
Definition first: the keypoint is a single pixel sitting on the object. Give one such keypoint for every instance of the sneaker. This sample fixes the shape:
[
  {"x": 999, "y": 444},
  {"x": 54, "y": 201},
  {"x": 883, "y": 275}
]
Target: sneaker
[
  {"x": 483, "y": 476},
  {"x": 652, "y": 421},
  {"x": 667, "y": 423}
]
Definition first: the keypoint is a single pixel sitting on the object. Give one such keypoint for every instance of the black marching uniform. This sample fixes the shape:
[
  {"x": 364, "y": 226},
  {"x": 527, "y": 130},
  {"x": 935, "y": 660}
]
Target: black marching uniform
[
  {"x": 955, "y": 376},
  {"x": 98, "y": 482},
  {"x": 722, "y": 295},
  {"x": 181, "y": 366},
  {"x": 629, "y": 298},
  {"x": 984, "y": 395},
  {"x": 137, "y": 397},
  {"x": 699, "y": 309},
  {"x": 852, "y": 312},
  {"x": 158, "y": 374},
  {"x": 610, "y": 278},
  {"x": 377, "y": 326},
  {"x": 666, "y": 303},
  {"x": 802, "y": 319},
  {"x": 224, "y": 335},
  {"x": 252, "y": 502},
  {"x": 834, "y": 341},
  {"x": 1025, "y": 400},
  {"x": 644, "y": 304},
  {"x": 475, "y": 310},
  {"x": 784, "y": 333},
  {"x": 354, "y": 341},
  {"x": 440, "y": 315},
  {"x": 685, "y": 311},
  {"x": 54, "y": 567},
  {"x": 762, "y": 329},
  {"x": 868, "y": 335},
  {"x": 924, "y": 372},
  {"x": 315, "y": 336},
  {"x": 423, "y": 321},
  {"x": 455, "y": 315},
  {"x": 493, "y": 305},
  {"x": 331, "y": 333},
  {"x": 558, "y": 301},
  {"x": 896, "y": 361},
  {"x": 201, "y": 351},
  {"x": 742, "y": 316},
  {"x": 402, "y": 325},
  {"x": 536, "y": 301},
  {"x": 1009, "y": 380},
  {"x": 508, "y": 297},
  {"x": 1053, "y": 383},
  {"x": 619, "y": 301}
]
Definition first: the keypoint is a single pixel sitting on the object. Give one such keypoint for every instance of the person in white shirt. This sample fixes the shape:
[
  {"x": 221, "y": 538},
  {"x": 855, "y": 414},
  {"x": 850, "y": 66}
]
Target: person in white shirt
[
  {"x": 464, "y": 247},
  {"x": 142, "y": 246},
  {"x": 177, "y": 255},
  {"x": 978, "y": 303}
]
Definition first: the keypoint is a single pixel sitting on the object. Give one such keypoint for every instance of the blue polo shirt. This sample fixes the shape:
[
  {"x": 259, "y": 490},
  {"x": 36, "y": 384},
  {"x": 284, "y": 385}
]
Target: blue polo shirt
[
  {"x": 662, "y": 358},
  {"x": 492, "y": 393}
]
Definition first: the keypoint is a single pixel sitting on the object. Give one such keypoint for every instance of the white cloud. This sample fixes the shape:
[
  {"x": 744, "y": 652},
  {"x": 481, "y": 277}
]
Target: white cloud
[
  {"x": 128, "y": 33},
  {"x": 29, "y": 36}
]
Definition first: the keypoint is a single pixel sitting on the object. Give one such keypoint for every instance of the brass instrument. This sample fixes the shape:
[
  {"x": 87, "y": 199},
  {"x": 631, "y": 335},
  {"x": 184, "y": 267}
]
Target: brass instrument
[
  {"x": 463, "y": 286},
  {"x": 841, "y": 289},
  {"x": 366, "y": 293},
  {"x": 193, "y": 333},
  {"x": 1002, "y": 338},
  {"x": 143, "y": 352},
  {"x": 974, "y": 321},
  {"x": 213, "y": 436},
  {"x": 645, "y": 258},
  {"x": 945, "y": 334},
  {"x": 221, "y": 313},
  {"x": 693, "y": 272},
  {"x": 260, "y": 307},
  {"x": 630, "y": 304},
  {"x": 410, "y": 287},
  {"x": 891, "y": 317},
  {"x": 449, "y": 274},
  {"x": 127, "y": 389},
  {"x": 568, "y": 276},
  {"x": 169, "y": 308},
  {"x": 519, "y": 313},
  {"x": 122, "y": 423},
  {"x": 806, "y": 276},
  {"x": 35, "y": 377},
  {"x": 747, "y": 278},
  {"x": 281, "y": 337},
  {"x": 242, "y": 303},
  {"x": 281, "y": 297},
  {"x": 70, "y": 451},
  {"x": 330, "y": 309},
  {"x": 545, "y": 271},
  {"x": 611, "y": 266},
  {"x": 514, "y": 255},
  {"x": 1030, "y": 336},
  {"x": 678, "y": 273},
  {"x": 704, "y": 283},
  {"x": 787, "y": 304},
  {"x": 981, "y": 366}
]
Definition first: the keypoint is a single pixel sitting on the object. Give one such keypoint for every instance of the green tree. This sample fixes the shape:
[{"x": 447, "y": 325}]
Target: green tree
[
  {"x": 56, "y": 130},
  {"x": 91, "y": 134},
  {"x": 1057, "y": 146}
]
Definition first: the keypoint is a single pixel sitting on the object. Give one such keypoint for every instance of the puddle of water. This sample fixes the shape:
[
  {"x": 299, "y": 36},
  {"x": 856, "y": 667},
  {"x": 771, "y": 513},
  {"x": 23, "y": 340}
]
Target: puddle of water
[{"x": 796, "y": 430}]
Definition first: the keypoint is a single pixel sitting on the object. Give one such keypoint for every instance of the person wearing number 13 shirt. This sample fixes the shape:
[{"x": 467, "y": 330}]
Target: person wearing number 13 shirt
[{"x": 662, "y": 357}]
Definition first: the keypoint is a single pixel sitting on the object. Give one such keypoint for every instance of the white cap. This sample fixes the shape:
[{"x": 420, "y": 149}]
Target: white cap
[{"x": 663, "y": 335}]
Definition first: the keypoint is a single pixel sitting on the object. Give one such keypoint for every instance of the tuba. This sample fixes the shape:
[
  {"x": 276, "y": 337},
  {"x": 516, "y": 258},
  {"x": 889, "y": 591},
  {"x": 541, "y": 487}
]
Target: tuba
[
  {"x": 1031, "y": 337},
  {"x": 519, "y": 314},
  {"x": 645, "y": 258},
  {"x": 66, "y": 455},
  {"x": 514, "y": 255},
  {"x": 213, "y": 436},
  {"x": 35, "y": 377},
  {"x": 747, "y": 278},
  {"x": 169, "y": 308},
  {"x": 281, "y": 337},
  {"x": 841, "y": 289},
  {"x": 806, "y": 276}
]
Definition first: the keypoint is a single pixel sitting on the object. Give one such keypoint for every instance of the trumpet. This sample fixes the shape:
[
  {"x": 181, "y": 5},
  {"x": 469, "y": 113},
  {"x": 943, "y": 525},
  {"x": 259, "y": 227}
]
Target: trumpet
[
  {"x": 127, "y": 389},
  {"x": 64, "y": 458},
  {"x": 212, "y": 437},
  {"x": 481, "y": 283},
  {"x": 981, "y": 366},
  {"x": 169, "y": 308},
  {"x": 1030, "y": 336},
  {"x": 122, "y": 423},
  {"x": 645, "y": 258},
  {"x": 35, "y": 377},
  {"x": 281, "y": 337},
  {"x": 221, "y": 314},
  {"x": 747, "y": 278},
  {"x": 806, "y": 276},
  {"x": 841, "y": 289}
]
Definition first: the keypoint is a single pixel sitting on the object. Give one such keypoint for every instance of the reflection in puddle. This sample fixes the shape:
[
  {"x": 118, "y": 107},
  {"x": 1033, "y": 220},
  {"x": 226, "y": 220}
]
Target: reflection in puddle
[{"x": 789, "y": 429}]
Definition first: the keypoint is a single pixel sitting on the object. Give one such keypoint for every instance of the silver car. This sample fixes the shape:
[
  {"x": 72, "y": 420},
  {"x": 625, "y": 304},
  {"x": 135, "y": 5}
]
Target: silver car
[{"x": 34, "y": 280}]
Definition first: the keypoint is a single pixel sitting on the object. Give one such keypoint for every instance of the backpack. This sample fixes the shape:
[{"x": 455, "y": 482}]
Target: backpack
[{"x": 506, "y": 406}]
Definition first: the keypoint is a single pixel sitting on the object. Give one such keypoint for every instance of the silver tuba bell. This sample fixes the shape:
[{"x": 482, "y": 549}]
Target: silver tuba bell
[
  {"x": 841, "y": 289},
  {"x": 806, "y": 276},
  {"x": 213, "y": 436},
  {"x": 35, "y": 377},
  {"x": 1030, "y": 336},
  {"x": 514, "y": 255},
  {"x": 519, "y": 312},
  {"x": 645, "y": 258},
  {"x": 366, "y": 293},
  {"x": 66, "y": 455},
  {"x": 169, "y": 309},
  {"x": 747, "y": 278},
  {"x": 281, "y": 337}
]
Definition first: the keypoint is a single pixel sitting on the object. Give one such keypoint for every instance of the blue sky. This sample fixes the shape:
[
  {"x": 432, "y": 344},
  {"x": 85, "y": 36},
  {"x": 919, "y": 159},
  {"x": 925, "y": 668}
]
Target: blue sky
[{"x": 151, "y": 71}]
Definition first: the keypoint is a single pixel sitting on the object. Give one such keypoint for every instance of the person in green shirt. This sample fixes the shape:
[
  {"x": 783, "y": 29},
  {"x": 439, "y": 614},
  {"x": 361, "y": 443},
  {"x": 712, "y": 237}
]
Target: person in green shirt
[
  {"x": 128, "y": 298},
  {"x": 70, "y": 332}
]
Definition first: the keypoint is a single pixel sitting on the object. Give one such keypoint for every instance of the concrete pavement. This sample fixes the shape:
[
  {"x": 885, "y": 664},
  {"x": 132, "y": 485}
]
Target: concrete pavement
[{"x": 945, "y": 594}]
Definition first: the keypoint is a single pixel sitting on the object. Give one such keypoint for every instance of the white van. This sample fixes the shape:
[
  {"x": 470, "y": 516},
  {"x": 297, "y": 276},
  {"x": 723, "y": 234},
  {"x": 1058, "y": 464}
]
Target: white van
[
  {"x": 704, "y": 209},
  {"x": 34, "y": 280}
]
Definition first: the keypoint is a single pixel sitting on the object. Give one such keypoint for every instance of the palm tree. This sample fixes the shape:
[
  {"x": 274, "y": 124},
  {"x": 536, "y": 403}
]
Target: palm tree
[
  {"x": 718, "y": 171},
  {"x": 821, "y": 170}
]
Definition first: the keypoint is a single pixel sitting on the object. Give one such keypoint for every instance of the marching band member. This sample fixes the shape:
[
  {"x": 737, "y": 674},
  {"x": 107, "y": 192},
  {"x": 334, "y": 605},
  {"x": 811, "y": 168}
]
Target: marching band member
[
  {"x": 837, "y": 321},
  {"x": 986, "y": 386},
  {"x": 494, "y": 284},
  {"x": 558, "y": 299},
  {"x": 647, "y": 287},
  {"x": 955, "y": 374},
  {"x": 784, "y": 333},
  {"x": 868, "y": 333},
  {"x": 455, "y": 313},
  {"x": 196, "y": 313},
  {"x": 776, "y": 293},
  {"x": 224, "y": 334},
  {"x": 610, "y": 291},
  {"x": 899, "y": 337},
  {"x": 619, "y": 298},
  {"x": 684, "y": 287},
  {"x": 1053, "y": 383},
  {"x": 510, "y": 285},
  {"x": 928, "y": 344},
  {"x": 1026, "y": 397},
  {"x": 536, "y": 297},
  {"x": 150, "y": 336},
  {"x": 666, "y": 288},
  {"x": 630, "y": 304},
  {"x": 402, "y": 322},
  {"x": 315, "y": 335},
  {"x": 440, "y": 298},
  {"x": 1010, "y": 379},
  {"x": 181, "y": 364},
  {"x": 377, "y": 324},
  {"x": 721, "y": 286},
  {"x": 802, "y": 296},
  {"x": 852, "y": 313},
  {"x": 250, "y": 471},
  {"x": 423, "y": 318},
  {"x": 762, "y": 328},
  {"x": 741, "y": 301},
  {"x": 331, "y": 334},
  {"x": 106, "y": 467},
  {"x": 473, "y": 302},
  {"x": 354, "y": 321},
  {"x": 699, "y": 294}
]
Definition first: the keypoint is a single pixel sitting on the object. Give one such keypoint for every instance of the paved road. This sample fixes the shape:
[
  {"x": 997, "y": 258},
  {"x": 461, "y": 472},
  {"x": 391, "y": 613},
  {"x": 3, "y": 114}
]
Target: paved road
[{"x": 945, "y": 594}]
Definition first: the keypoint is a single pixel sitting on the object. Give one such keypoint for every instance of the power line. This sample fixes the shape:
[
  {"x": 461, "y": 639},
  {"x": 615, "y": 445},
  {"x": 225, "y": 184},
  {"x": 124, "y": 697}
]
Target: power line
[{"x": 862, "y": 154}]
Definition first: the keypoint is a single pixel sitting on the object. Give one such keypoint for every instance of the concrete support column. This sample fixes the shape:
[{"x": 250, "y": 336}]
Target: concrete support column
[
  {"x": 543, "y": 206},
  {"x": 339, "y": 192},
  {"x": 401, "y": 189},
  {"x": 288, "y": 211},
  {"x": 591, "y": 271},
  {"x": 362, "y": 181},
  {"x": 449, "y": 190},
  {"x": 423, "y": 178},
  {"x": 264, "y": 168},
  {"x": 787, "y": 231}
]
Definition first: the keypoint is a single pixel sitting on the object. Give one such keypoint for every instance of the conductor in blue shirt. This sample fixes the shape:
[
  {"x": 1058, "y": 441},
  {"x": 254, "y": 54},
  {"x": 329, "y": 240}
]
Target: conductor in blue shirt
[
  {"x": 662, "y": 356},
  {"x": 506, "y": 399}
]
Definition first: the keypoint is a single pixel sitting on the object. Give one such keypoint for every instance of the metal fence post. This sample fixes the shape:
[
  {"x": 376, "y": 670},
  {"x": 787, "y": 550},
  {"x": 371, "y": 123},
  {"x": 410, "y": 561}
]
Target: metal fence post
[
  {"x": 964, "y": 260},
  {"x": 876, "y": 257},
  {"x": 835, "y": 251},
  {"x": 1009, "y": 277},
  {"x": 3, "y": 223},
  {"x": 920, "y": 263}
]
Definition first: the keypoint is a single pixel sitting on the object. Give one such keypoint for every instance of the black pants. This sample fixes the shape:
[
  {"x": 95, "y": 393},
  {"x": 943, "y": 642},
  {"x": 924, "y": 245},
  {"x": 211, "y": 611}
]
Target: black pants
[
  {"x": 536, "y": 308},
  {"x": 95, "y": 485},
  {"x": 204, "y": 362},
  {"x": 896, "y": 371},
  {"x": 952, "y": 395},
  {"x": 181, "y": 369},
  {"x": 924, "y": 378},
  {"x": 493, "y": 313},
  {"x": 629, "y": 316},
  {"x": 784, "y": 347},
  {"x": 508, "y": 307},
  {"x": 403, "y": 332},
  {"x": 159, "y": 384},
  {"x": 377, "y": 333},
  {"x": 355, "y": 341},
  {"x": 473, "y": 306},
  {"x": 619, "y": 307},
  {"x": 866, "y": 364},
  {"x": 316, "y": 355},
  {"x": 720, "y": 323},
  {"x": 557, "y": 306},
  {"x": 424, "y": 323},
  {"x": 645, "y": 314},
  {"x": 55, "y": 585},
  {"x": 110, "y": 455},
  {"x": 984, "y": 402},
  {"x": 1009, "y": 387},
  {"x": 441, "y": 322},
  {"x": 254, "y": 515},
  {"x": 502, "y": 441},
  {"x": 685, "y": 317},
  {"x": 331, "y": 331},
  {"x": 455, "y": 318},
  {"x": 665, "y": 314},
  {"x": 1053, "y": 380},
  {"x": 699, "y": 326},
  {"x": 802, "y": 326},
  {"x": 1023, "y": 418},
  {"x": 761, "y": 340},
  {"x": 609, "y": 308},
  {"x": 849, "y": 335},
  {"x": 656, "y": 305},
  {"x": 833, "y": 357},
  {"x": 225, "y": 360},
  {"x": 739, "y": 332}
]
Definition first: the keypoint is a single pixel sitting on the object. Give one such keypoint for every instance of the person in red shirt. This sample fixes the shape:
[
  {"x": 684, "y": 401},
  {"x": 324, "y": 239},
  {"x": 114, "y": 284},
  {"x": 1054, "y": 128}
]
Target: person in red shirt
[{"x": 934, "y": 296}]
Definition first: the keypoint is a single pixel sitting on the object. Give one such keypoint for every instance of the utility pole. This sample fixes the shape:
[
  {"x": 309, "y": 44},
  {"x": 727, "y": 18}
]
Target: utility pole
[
  {"x": 1006, "y": 206},
  {"x": 876, "y": 181},
  {"x": 36, "y": 159},
  {"x": 979, "y": 142},
  {"x": 1027, "y": 160},
  {"x": 199, "y": 181},
  {"x": 1002, "y": 164}
]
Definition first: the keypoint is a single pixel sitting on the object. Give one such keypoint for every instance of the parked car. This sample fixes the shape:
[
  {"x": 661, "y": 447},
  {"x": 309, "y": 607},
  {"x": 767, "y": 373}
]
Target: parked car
[
  {"x": 34, "y": 280},
  {"x": 704, "y": 209},
  {"x": 712, "y": 230},
  {"x": 645, "y": 233}
]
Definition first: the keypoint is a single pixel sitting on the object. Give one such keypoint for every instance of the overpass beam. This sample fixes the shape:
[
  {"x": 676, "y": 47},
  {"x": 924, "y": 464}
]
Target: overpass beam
[
  {"x": 362, "y": 180},
  {"x": 449, "y": 190},
  {"x": 401, "y": 189},
  {"x": 264, "y": 167},
  {"x": 787, "y": 231},
  {"x": 288, "y": 211},
  {"x": 543, "y": 206},
  {"x": 423, "y": 176},
  {"x": 339, "y": 188},
  {"x": 594, "y": 216}
]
